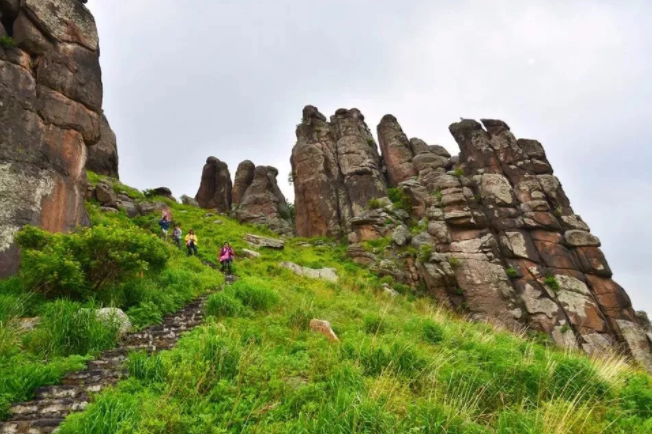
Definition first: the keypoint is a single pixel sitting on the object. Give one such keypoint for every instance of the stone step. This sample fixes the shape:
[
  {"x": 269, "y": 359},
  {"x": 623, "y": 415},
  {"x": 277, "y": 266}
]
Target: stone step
[
  {"x": 65, "y": 391},
  {"x": 48, "y": 408},
  {"x": 36, "y": 426},
  {"x": 53, "y": 403}
]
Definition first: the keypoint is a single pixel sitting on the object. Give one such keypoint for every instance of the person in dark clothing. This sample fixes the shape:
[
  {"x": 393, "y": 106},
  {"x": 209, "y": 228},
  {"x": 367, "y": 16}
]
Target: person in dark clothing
[
  {"x": 164, "y": 223},
  {"x": 176, "y": 236},
  {"x": 226, "y": 257}
]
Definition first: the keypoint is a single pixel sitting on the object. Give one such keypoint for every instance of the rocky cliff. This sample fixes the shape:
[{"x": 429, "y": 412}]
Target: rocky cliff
[
  {"x": 490, "y": 232},
  {"x": 50, "y": 112}
]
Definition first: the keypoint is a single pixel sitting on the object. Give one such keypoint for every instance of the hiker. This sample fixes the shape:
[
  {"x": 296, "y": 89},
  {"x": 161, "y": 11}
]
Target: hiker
[
  {"x": 176, "y": 236},
  {"x": 166, "y": 213},
  {"x": 226, "y": 257},
  {"x": 191, "y": 242},
  {"x": 165, "y": 227}
]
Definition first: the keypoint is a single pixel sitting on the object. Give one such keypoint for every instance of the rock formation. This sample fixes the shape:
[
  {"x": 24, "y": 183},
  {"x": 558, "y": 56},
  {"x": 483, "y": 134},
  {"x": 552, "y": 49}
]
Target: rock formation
[
  {"x": 103, "y": 156},
  {"x": 215, "y": 188},
  {"x": 261, "y": 201},
  {"x": 336, "y": 170},
  {"x": 493, "y": 233},
  {"x": 50, "y": 112}
]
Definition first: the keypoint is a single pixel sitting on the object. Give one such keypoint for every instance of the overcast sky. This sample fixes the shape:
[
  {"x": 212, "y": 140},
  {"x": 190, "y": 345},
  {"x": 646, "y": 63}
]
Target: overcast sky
[{"x": 186, "y": 80}]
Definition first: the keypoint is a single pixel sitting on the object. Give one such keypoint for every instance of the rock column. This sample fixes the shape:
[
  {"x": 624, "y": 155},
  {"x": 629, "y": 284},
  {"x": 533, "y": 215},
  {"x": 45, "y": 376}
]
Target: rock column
[
  {"x": 216, "y": 187},
  {"x": 50, "y": 112}
]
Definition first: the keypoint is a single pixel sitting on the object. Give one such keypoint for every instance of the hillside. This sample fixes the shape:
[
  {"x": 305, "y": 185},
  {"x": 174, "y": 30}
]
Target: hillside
[{"x": 401, "y": 364}]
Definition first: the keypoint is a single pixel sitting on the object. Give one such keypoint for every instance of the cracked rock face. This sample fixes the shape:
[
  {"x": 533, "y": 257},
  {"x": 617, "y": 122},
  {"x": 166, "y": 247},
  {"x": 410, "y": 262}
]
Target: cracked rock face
[{"x": 51, "y": 114}]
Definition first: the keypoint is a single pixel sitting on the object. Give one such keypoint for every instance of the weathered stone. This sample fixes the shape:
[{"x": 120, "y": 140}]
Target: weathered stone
[
  {"x": 323, "y": 327},
  {"x": 597, "y": 343},
  {"x": 328, "y": 274},
  {"x": 401, "y": 235},
  {"x": 263, "y": 203},
  {"x": 187, "y": 200},
  {"x": 65, "y": 21},
  {"x": 103, "y": 156},
  {"x": 28, "y": 37},
  {"x": 564, "y": 337},
  {"x": 359, "y": 255},
  {"x": 151, "y": 207},
  {"x": 439, "y": 230},
  {"x": 358, "y": 160},
  {"x": 591, "y": 260},
  {"x": 115, "y": 316},
  {"x": 73, "y": 71},
  {"x": 164, "y": 192},
  {"x": 476, "y": 151},
  {"x": 637, "y": 342},
  {"x": 246, "y": 253},
  {"x": 574, "y": 222},
  {"x": 244, "y": 176},
  {"x": 518, "y": 244},
  {"x": 316, "y": 177},
  {"x": 439, "y": 150},
  {"x": 105, "y": 195},
  {"x": 576, "y": 238},
  {"x": 130, "y": 208},
  {"x": 397, "y": 151},
  {"x": 215, "y": 188},
  {"x": 258, "y": 241},
  {"x": 496, "y": 190}
]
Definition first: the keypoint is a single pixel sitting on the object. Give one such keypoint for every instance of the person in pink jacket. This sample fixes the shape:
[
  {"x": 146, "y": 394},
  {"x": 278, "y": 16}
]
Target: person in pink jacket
[{"x": 226, "y": 257}]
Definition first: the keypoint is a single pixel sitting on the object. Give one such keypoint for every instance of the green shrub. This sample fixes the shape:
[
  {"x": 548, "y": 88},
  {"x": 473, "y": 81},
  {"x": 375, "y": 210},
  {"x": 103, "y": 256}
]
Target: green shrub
[
  {"x": 374, "y": 324},
  {"x": 551, "y": 282},
  {"x": 399, "y": 199},
  {"x": 144, "y": 367},
  {"x": 454, "y": 262},
  {"x": 458, "y": 172},
  {"x": 254, "y": 293},
  {"x": 438, "y": 195},
  {"x": 432, "y": 332},
  {"x": 223, "y": 305},
  {"x": 425, "y": 251},
  {"x": 374, "y": 203},
  {"x": 7, "y": 42},
  {"x": 144, "y": 314},
  {"x": 80, "y": 264},
  {"x": 300, "y": 318},
  {"x": 511, "y": 272},
  {"x": 68, "y": 328}
]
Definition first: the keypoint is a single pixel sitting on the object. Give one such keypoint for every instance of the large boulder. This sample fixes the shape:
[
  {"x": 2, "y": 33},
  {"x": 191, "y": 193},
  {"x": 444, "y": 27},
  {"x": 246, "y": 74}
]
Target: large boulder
[
  {"x": 50, "y": 111},
  {"x": 215, "y": 188}
]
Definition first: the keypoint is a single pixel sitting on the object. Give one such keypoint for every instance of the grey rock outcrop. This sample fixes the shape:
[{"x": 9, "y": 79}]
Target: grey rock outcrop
[{"x": 50, "y": 111}]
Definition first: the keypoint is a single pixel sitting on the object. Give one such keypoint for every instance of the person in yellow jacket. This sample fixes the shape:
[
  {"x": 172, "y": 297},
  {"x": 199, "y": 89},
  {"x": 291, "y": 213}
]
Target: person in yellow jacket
[{"x": 191, "y": 242}]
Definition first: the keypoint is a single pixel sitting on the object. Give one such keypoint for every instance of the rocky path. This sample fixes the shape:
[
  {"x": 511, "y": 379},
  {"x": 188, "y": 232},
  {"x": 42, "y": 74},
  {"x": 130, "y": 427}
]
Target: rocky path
[{"x": 52, "y": 404}]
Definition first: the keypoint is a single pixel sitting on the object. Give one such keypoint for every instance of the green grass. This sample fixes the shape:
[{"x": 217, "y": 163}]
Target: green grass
[{"x": 403, "y": 364}]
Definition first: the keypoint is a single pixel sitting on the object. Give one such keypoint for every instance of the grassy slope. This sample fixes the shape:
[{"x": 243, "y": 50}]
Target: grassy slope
[{"x": 402, "y": 365}]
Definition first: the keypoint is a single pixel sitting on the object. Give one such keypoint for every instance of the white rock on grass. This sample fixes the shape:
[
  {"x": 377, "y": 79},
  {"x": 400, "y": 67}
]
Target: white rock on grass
[{"x": 328, "y": 274}]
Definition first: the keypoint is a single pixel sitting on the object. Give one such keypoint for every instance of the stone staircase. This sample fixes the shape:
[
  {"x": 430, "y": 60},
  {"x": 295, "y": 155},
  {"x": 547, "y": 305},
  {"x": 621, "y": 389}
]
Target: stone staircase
[{"x": 52, "y": 404}]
